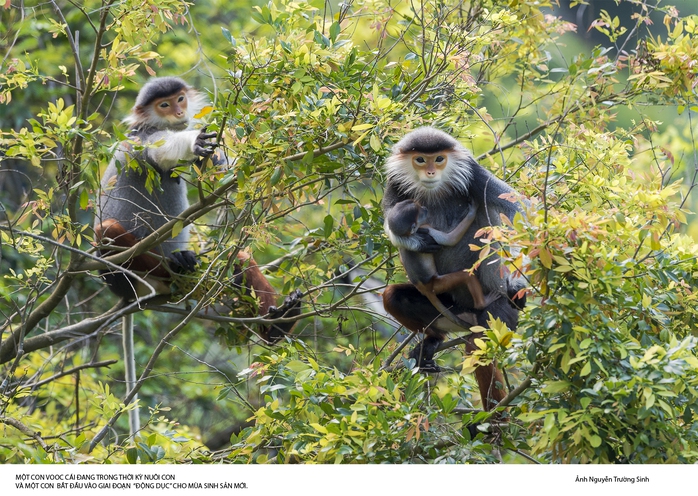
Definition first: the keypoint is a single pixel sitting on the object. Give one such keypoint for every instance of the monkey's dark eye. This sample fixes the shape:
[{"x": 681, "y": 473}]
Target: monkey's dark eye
[
  {"x": 440, "y": 159},
  {"x": 420, "y": 160},
  {"x": 164, "y": 105},
  {"x": 180, "y": 99}
]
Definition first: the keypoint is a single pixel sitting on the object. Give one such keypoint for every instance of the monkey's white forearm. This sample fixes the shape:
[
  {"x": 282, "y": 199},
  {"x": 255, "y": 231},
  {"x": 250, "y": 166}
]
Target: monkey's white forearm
[
  {"x": 177, "y": 146},
  {"x": 444, "y": 239},
  {"x": 453, "y": 237}
]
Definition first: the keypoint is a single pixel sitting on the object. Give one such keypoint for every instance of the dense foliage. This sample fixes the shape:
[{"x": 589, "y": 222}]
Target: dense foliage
[{"x": 598, "y": 135}]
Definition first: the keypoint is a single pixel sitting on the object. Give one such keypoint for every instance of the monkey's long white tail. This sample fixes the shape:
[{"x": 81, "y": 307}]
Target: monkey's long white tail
[{"x": 134, "y": 422}]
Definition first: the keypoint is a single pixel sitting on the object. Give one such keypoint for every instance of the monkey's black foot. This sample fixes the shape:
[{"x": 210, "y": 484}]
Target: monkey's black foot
[
  {"x": 424, "y": 354},
  {"x": 290, "y": 308},
  {"x": 183, "y": 261},
  {"x": 203, "y": 146},
  {"x": 474, "y": 430},
  {"x": 429, "y": 367}
]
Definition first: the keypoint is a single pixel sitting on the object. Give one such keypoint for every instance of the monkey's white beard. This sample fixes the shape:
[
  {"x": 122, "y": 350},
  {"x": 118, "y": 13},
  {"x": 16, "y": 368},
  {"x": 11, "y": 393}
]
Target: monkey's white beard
[{"x": 455, "y": 178}]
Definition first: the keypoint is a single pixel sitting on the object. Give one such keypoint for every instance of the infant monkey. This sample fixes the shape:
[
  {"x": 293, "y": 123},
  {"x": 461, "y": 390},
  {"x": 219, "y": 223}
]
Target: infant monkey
[{"x": 404, "y": 219}]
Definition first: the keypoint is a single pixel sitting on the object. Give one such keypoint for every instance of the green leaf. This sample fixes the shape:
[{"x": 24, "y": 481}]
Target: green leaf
[
  {"x": 276, "y": 176},
  {"x": 549, "y": 422},
  {"x": 556, "y": 387},
  {"x": 530, "y": 417},
  {"x": 586, "y": 370},
  {"x": 297, "y": 365},
  {"x": 84, "y": 199},
  {"x": 228, "y": 36},
  {"x": 595, "y": 441},
  {"x": 329, "y": 225},
  {"x": 375, "y": 143},
  {"x": 546, "y": 258},
  {"x": 132, "y": 456},
  {"x": 335, "y": 29}
]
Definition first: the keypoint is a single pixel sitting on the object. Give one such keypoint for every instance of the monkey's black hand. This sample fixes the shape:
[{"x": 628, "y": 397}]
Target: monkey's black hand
[
  {"x": 203, "y": 146},
  {"x": 290, "y": 308},
  {"x": 427, "y": 244},
  {"x": 517, "y": 302},
  {"x": 183, "y": 261}
]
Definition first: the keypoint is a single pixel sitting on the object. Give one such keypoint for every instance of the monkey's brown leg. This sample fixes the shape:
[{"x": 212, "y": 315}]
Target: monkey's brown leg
[
  {"x": 248, "y": 276},
  {"x": 490, "y": 381},
  {"x": 447, "y": 282},
  {"x": 426, "y": 290},
  {"x": 119, "y": 283},
  {"x": 413, "y": 310},
  {"x": 120, "y": 237}
]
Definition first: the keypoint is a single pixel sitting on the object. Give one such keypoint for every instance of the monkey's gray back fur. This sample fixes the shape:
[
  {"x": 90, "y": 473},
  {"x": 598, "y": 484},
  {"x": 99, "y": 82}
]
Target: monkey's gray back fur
[
  {"x": 448, "y": 206},
  {"x": 125, "y": 198}
]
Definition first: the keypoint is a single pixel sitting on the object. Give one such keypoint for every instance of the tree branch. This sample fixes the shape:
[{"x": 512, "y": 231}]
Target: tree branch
[{"x": 25, "y": 430}]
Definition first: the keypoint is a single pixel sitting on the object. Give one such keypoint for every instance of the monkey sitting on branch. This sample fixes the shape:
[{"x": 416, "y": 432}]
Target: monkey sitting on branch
[
  {"x": 132, "y": 206},
  {"x": 408, "y": 217},
  {"x": 431, "y": 167}
]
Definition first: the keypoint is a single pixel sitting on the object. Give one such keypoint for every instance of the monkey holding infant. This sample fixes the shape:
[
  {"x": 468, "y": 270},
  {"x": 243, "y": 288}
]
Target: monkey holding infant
[{"x": 430, "y": 168}]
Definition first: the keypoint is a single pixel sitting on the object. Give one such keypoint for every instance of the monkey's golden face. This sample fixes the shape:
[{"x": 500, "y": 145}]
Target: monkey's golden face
[
  {"x": 429, "y": 167},
  {"x": 172, "y": 108}
]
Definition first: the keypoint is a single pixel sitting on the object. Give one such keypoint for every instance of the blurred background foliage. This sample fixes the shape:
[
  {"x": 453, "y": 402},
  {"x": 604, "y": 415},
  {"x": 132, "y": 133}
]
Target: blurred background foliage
[{"x": 587, "y": 108}]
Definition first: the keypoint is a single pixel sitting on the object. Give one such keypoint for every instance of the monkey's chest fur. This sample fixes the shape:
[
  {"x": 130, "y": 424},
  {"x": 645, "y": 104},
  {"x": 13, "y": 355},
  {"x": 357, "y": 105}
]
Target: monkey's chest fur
[
  {"x": 460, "y": 256},
  {"x": 126, "y": 199}
]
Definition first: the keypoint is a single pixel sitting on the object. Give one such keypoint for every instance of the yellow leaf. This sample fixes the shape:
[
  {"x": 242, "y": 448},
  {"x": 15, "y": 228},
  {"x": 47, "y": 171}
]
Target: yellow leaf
[
  {"x": 362, "y": 127},
  {"x": 319, "y": 428},
  {"x": 204, "y": 111},
  {"x": 177, "y": 228},
  {"x": 375, "y": 143},
  {"x": 586, "y": 370},
  {"x": 360, "y": 138}
]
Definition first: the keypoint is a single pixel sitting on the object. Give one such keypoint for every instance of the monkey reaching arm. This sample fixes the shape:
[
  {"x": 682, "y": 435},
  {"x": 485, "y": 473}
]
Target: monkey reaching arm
[{"x": 404, "y": 220}]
